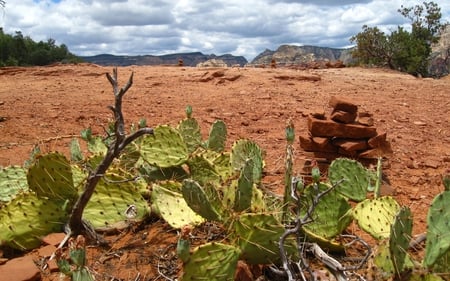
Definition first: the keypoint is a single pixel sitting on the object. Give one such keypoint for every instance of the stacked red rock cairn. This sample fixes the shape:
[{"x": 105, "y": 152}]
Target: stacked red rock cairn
[{"x": 346, "y": 133}]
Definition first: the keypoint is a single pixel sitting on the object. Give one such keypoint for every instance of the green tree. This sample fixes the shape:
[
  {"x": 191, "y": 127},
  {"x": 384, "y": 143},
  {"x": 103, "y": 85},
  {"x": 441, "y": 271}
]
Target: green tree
[{"x": 404, "y": 50}]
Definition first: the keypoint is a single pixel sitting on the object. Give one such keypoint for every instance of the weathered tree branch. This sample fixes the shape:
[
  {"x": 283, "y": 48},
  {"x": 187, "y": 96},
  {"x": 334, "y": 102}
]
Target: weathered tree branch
[{"x": 115, "y": 148}]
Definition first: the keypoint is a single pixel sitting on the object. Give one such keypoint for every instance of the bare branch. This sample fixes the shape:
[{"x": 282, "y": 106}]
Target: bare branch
[{"x": 115, "y": 148}]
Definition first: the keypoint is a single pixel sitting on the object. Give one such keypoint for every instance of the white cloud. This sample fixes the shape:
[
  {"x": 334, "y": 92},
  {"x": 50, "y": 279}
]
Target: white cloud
[{"x": 239, "y": 27}]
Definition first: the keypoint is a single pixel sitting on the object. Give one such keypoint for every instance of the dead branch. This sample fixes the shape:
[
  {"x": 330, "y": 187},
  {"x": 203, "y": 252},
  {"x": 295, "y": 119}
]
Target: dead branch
[{"x": 115, "y": 148}]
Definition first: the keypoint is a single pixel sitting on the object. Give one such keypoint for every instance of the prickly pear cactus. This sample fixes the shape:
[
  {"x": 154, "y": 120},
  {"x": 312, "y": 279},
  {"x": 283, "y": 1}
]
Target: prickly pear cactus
[
  {"x": 28, "y": 217},
  {"x": 220, "y": 161},
  {"x": 217, "y": 136},
  {"x": 202, "y": 170},
  {"x": 401, "y": 231},
  {"x": 211, "y": 261},
  {"x": 244, "y": 149},
  {"x": 13, "y": 180},
  {"x": 198, "y": 200},
  {"x": 353, "y": 178},
  {"x": 116, "y": 201},
  {"x": 257, "y": 235},
  {"x": 152, "y": 173},
  {"x": 165, "y": 148},
  {"x": 190, "y": 131},
  {"x": 375, "y": 216},
  {"x": 382, "y": 265},
  {"x": 75, "y": 151},
  {"x": 168, "y": 203},
  {"x": 438, "y": 232},
  {"x": 244, "y": 191},
  {"x": 331, "y": 215},
  {"x": 51, "y": 176}
]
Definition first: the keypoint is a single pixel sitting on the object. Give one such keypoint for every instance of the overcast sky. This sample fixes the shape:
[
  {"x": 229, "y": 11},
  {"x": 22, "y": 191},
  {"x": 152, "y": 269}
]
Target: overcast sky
[{"x": 239, "y": 27}]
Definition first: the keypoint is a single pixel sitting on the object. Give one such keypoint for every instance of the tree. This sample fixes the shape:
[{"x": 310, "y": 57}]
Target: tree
[{"x": 404, "y": 50}]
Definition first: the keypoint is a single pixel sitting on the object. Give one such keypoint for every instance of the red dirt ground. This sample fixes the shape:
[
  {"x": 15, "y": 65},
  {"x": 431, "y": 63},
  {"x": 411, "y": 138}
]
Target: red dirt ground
[{"x": 50, "y": 105}]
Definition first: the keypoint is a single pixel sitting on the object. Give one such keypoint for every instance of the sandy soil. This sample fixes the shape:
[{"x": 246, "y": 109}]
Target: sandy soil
[{"x": 50, "y": 105}]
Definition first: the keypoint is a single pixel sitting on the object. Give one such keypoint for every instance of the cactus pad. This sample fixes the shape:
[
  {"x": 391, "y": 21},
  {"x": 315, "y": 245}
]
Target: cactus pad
[
  {"x": 202, "y": 170},
  {"x": 244, "y": 190},
  {"x": 51, "y": 176},
  {"x": 13, "y": 179},
  {"x": 190, "y": 131},
  {"x": 198, "y": 201},
  {"x": 75, "y": 151},
  {"x": 401, "y": 231},
  {"x": 114, "y": 195},
  {"x": 331, "y": 215},
  {"x": 257, "y": 236},
  {"x": 438, "y": 232},
  {"x": 26, "y": 218},
  {"x": 171, "y": 206},
  {"x": 355, "y": 178},
  {"x": 217, "y": 136},
  {"x": 375, "y": 216},
  {"x": 211, "y": 261},
  {"x": 165, "y": 148},
  {"x": 245, "y": 149}
]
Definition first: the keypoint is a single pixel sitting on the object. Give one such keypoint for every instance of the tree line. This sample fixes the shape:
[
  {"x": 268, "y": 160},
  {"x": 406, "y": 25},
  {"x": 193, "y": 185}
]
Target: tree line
[
  {"x": 19, "y": 50},
  {"x": 404, "y": 49}
]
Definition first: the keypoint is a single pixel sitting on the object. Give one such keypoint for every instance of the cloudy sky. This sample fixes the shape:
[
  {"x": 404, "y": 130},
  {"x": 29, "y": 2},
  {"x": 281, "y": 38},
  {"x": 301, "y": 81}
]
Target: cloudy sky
[{"x": 239, "y": 27}]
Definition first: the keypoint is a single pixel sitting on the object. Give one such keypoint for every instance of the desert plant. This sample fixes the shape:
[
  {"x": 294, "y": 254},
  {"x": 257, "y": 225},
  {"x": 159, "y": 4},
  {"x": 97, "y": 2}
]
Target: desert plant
[{"x": 74, "y": 265}]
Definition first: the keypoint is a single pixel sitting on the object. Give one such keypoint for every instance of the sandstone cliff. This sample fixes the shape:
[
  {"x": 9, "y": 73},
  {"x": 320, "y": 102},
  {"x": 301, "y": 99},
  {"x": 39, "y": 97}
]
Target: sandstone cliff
[{"x": 440, "y": 58}]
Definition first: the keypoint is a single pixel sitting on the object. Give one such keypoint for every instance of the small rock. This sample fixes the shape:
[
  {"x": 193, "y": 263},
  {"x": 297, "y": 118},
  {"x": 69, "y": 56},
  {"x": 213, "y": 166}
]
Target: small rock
[
  {"x": 46, "y": 251},
  {"x": 53, "y": 238},
  {"x": 20, "y": 269},
  {"x": 432, "y": 164},
  {"x": 419, "y": 123}
]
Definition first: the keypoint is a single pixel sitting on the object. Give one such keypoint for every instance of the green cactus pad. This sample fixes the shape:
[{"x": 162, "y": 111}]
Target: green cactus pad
[
  {"x": 190, "y": 131},
  {"x": 75, "y": 151},
  {"x": 109, "y": 206},
  {"x": 217, "y": 136},
  {"x": 415, "y": 276},
  {"x": 79, "y": 176},
  {"x": 245, "y": 149},
  {"x": 442, "y": 265},
  {"x": 171, "y": 206},
  {"x": 165, "y": 148},
  {"x": 355, "y": 178},
  {"x": 244, "y": 190},
  {"x": 375, "y": 216},
  {"x": 198, "y": 201},
  {"x": 202, "y": 170},
  {"x": 257, "y": 235},
  {"x": 220, "y": 161},
  {"x": 51, "y": 176},
  {"x": 211, "y": 261},
  {"x": 401, "y": 231},
  {"x": 438, "y": 232},
  {"x": 97, "y": 145},
  {"x": 27, "y": 217},
  {"x": 332, "y": 214},
  {"x": 152, "y": 173},
  {"x": 382, "y": 262},
  {"x": 129, "y": 157},
  {"x": 13, "y": 180}
]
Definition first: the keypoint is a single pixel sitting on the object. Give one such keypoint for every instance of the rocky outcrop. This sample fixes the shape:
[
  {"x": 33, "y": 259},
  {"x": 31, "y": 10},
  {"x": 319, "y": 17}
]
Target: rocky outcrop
[
  {"x": 345, "y": 133},
  {"x": 287, "y": 55},
  {"x": 212, "y": 63},
  {"x": 188, "y": 59},
  {"x": 440, "y": 57}
]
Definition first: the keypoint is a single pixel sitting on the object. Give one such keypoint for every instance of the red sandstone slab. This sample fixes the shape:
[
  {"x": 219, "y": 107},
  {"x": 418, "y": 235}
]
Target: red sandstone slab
[
  {"x": 338, "y": 103},
  {"x": 329, "y": 128},
  {"x": 20, "y": 269},
  {"x": 378, "y": 141},
  {"x": 343, "y": 116},
  {"x": 309, "y": 143},
  {"x": 351, "y": 145}
]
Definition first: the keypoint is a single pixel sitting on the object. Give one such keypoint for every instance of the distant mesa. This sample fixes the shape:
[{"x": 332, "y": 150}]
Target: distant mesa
[{"x": 187, "y": 59}]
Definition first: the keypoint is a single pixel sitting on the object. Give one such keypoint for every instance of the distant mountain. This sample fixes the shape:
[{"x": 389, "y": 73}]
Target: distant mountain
[
  {"x": 290, "y": 54},
  {"x": 189, "y": 59}
]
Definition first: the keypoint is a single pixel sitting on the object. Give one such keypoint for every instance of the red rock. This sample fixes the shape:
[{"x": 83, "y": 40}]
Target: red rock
[
  {"x": 20, "y": 269},
  {"x": 377, "y": 141},
  {"x": 309, "y": 143},
  {"x": 329, "y": 128},
  {"x": 367, "y": 121},
  {"x": 338, "y": 103},
  {"x": 350, "y": 145},
  {"x": 54, "y": 238},
  {"x": 376, "y": 152},
  {"x": 343, "y": 116},
  {"x": 46, "y": 251}
]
